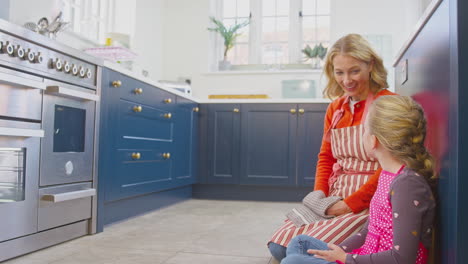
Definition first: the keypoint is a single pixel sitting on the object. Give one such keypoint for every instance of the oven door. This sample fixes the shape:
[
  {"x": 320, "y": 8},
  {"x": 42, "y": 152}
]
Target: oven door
[
  {"x": 19, "y": 176},
  {"x": 67, "y": 149}
]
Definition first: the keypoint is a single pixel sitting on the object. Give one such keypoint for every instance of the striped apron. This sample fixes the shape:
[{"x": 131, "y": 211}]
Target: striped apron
[{"x": 352, "y": 169}]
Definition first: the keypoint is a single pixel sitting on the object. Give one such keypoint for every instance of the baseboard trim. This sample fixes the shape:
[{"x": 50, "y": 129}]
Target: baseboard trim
[
  {"x": 124, "y": 209},
  {"x": 249, "y": 192}
]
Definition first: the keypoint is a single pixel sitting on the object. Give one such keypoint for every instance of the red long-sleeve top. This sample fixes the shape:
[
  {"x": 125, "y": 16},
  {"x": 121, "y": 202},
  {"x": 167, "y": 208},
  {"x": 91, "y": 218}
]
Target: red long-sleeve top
[{"x": 359, "y": 200}]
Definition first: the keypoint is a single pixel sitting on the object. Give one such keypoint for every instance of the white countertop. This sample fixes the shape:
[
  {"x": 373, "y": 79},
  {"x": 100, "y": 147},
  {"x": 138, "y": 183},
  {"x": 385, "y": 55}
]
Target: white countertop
[
  {"x": 256, "y": 101},
  {"x": 140, "y": 77},
  {"x": 119, "y": 68}
]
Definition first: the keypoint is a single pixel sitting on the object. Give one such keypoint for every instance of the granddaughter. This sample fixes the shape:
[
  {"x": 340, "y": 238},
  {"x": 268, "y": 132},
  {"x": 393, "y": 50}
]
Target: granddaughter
[{"x": 402, "y": 210}]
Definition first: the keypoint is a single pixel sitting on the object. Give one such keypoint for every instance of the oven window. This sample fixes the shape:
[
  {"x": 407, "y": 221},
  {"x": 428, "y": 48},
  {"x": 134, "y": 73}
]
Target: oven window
[
  {"x": 69, "y": 129},
  {"x": 12, "y": 163}
]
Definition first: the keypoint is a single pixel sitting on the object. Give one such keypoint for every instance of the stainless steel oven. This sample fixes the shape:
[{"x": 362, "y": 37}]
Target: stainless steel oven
[
  {"x": 67, "y": 150},
  {"x": 20, "y": 133},
  {"x": 48, "y": 114}
]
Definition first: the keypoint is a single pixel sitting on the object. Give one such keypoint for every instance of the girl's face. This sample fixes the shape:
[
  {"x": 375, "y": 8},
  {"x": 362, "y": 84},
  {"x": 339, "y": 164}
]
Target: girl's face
[
  {"x": 352, "y": 75},
  {"x": 368, "y": 140}
]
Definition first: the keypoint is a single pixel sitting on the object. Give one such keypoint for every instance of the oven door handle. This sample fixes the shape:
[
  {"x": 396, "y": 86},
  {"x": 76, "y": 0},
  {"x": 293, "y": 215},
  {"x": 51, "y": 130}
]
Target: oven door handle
[
  {"x": 70, "y": 93},
  {"x": 21, "y": 132},
  {"x": 14, "y": 80},
  {"x": 68, "y": 196}
]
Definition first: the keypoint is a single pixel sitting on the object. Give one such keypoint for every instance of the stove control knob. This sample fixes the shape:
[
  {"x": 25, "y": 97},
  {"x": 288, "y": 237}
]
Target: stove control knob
[
  {"x": 1, "y": 46},
  {"x": 67, "y": 67},
  {"x": 39, "y": 58},
  {"x": 89, "y": 74},
  {"x": 57, "y": 64},
  {"x": 9, "y": 49},
  {"x": 30, "y": 55},
  {"x": 82, "y": 72},
  {"x": 19, "y": 52},
  {"x": 75, "y": 69}
]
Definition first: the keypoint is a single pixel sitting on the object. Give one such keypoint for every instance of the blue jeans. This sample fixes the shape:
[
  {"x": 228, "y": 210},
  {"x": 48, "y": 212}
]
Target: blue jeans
[
  {"x": 297, "y": 251},
  {"x": 277, "y": 251}
]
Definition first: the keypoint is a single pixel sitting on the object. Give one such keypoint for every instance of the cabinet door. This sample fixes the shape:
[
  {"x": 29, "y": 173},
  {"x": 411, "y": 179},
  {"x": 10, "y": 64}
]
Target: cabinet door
[
  {"x": 223, "y": 143},
  {"x": 310, "y": 132},
  {"x": 268, "y": 144},
  {"x": 185, "y": 135},
  {"x": 109, "y": 124}
]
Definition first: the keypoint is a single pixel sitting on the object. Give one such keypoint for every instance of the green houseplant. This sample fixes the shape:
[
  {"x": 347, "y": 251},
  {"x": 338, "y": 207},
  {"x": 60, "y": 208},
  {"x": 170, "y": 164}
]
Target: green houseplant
[
  {"x": 229, "y": 35},
  {"x": 316, "y": 54}
]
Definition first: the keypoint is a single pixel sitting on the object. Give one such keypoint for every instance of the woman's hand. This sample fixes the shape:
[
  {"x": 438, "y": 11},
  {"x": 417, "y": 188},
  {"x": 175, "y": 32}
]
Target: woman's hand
[
  {"x": 338, "y": 208},
  {"x": 335, "y": 253}
]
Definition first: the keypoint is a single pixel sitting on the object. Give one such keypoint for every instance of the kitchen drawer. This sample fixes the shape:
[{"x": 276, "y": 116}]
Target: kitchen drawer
[
  {"x": 145, "y": 128},
  {"x": 60, "y": 205},
  {"x": 149, "y": 172},
  {"x": 21, "y": 95},
  {"x": 143, "y": 93}
]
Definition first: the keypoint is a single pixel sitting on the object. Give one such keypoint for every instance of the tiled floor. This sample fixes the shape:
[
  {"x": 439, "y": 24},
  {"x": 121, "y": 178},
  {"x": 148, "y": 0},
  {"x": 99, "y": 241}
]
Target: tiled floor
[{"x": 191, "y": 232}]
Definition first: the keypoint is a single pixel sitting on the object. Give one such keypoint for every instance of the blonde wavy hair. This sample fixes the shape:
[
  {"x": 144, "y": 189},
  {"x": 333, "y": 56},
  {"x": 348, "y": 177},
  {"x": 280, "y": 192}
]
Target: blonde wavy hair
[
  {"x": 399, "y": 124},
  {"x": 356, "y": 46}
]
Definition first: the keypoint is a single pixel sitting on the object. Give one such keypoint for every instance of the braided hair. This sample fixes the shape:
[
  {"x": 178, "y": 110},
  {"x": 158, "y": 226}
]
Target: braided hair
[{"x": 399, "y": 124}]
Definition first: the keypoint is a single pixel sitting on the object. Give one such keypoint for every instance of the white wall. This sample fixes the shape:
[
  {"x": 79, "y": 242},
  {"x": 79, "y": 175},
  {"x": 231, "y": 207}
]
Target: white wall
[
  {"x": 187, "y": 48},
  {"x": 147, "y": 40}
]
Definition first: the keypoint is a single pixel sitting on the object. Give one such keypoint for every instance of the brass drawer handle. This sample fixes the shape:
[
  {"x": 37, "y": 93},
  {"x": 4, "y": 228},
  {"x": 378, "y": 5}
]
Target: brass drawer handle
[
  {"x": 136, "y": 155},
  {"x": 168, "y": 100},
  {"x": 138, "y": 91},
  {"x": 166, "y": 155},
  {"x": 137, "y": 108},
  {"x": 168, "y": 115},
  {"x": 301, "y": 111},
  {"x": 293, "y": 111},
  {"x": 117, "y": 83},
  {"x": 196, "y": 109},
  {"x": 236, "y": 110}
]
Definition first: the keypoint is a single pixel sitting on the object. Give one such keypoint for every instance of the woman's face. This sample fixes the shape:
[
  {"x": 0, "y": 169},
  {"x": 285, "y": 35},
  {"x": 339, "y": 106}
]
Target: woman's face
[{"x": 352, "y": 75}]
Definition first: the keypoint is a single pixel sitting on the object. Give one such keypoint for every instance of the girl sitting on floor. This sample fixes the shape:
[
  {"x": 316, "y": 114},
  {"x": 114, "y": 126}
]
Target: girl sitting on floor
[{"x": 402, "y": 210}]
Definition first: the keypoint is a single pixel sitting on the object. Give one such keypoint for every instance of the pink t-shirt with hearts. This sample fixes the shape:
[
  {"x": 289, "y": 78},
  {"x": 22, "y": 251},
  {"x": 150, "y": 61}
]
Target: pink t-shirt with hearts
[{"x": 402, "y": 203}]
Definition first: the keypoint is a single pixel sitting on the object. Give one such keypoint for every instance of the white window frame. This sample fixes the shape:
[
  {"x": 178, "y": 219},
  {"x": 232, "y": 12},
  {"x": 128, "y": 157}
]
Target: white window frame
[
  {"x": 90, "y": 19},
  {"x": 295, "y": 41}
]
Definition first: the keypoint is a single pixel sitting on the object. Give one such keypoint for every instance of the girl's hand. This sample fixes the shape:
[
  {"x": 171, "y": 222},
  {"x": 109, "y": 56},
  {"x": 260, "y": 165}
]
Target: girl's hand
[
  {"x": 338, "y": 208},
  {"x": 335, "y": 253}
]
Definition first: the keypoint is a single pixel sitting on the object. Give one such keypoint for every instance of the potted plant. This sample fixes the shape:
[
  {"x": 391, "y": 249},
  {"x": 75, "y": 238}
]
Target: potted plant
[
  {"x": 229, "y": 35},
  {"x": 316, "y": 55}
]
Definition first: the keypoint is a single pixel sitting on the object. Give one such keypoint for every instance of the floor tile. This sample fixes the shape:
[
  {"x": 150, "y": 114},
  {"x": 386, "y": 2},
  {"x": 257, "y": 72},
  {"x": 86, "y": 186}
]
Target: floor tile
[
  {"x": 194, "y": 231},
  {"x": 184, "y": 258}
]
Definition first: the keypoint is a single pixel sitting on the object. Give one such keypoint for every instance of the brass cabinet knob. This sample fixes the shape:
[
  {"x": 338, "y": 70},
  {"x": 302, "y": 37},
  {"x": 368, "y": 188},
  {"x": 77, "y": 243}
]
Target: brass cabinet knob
[
  {"x": 301, "y": 111},
  {"x": 138, "y": 91},
  {"x": 137, "y": 108},
  {"x": 236, "y": 110},
  {"x": 166, "y": 155},
  {"x": 196, "y": 109},
  {"x": 293, "y": 111},
  {"x": 168, "y": 100},
  {"x": 168, "y": 115},
  {"x": 136, "y": 155},
  {"x": 116, "y": 83}
]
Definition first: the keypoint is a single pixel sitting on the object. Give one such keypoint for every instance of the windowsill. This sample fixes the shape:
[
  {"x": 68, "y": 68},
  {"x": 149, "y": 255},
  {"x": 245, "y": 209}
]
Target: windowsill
[{"x": 234, "y": 72}]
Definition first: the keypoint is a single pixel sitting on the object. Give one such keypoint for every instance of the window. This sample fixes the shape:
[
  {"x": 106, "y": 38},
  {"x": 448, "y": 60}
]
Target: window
[
  {"x": 236, "y": 12},
  {"x": 278, "y": 29},
  {"x": 89, "y": 18}
]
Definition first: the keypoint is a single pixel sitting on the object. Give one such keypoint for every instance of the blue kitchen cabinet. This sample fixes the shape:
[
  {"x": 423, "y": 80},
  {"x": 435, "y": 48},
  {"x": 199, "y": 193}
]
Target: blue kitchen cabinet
[
  {"x": 223, "y": 144},
  {"x": 262, "y": 144},
  {"x": 309, "y": 139},
  {"x": 185, "y": 142},
  {"x": 147, "y": 148},
  {"x": 268, "y": 144}
]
